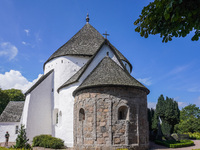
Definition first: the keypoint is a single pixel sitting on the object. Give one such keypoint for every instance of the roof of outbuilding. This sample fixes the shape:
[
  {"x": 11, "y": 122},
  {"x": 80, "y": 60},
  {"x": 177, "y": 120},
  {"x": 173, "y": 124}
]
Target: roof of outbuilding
[
  {"x": 12, "y": 112},
  {"x": 84, "y": 43},
  {"x": 108, "y": 73}
]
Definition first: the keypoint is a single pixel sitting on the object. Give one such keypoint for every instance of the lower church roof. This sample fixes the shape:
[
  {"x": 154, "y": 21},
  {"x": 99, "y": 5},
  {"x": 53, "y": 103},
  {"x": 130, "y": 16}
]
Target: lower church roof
[
  {"x": 12, "y": 112},
  {"x": 109, "y": 73}
]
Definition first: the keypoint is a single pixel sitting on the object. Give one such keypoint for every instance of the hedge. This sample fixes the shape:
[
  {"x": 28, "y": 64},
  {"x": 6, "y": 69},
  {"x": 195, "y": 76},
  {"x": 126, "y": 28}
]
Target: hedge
[
  {"x": 195, "y": 135},
  {"x": 48, "y": 141},
  {"x": 174, "y": 144}
]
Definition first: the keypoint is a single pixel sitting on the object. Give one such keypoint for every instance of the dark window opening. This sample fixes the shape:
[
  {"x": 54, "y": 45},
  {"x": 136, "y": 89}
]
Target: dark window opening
[
  {"x": 81, "y": 114},
  {"x": 16, "y": 129},
  {"x": 107, "y": 53},
  {"x": 122, "y": 113}
]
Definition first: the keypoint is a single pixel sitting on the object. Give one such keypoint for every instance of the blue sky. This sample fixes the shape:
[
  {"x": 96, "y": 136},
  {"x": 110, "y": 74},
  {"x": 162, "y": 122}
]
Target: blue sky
[{"x": 30, "y": 31}]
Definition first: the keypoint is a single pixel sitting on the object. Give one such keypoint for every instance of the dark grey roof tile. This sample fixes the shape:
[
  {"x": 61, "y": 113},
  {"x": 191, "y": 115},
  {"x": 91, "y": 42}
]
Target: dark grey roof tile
[
  {"x": 12, "y": 112},
  {"x": 108, "y": 73}
]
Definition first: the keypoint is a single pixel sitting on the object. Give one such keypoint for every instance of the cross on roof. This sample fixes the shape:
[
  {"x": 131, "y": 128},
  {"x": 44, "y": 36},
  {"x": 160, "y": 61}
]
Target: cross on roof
[{"x": 106, "y": 34}]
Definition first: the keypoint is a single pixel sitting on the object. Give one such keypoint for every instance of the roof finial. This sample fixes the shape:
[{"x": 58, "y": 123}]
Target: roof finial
[{"x": 87, "y": 18}]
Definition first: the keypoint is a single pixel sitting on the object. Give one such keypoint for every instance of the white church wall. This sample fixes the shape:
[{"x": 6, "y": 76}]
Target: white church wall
[
  {"x": 105, "y": 50},
  {"x": 25, "y": 111},
  {"x": 11, "y": 128},
  {"x": 127, "y": 66},
  {"x": 64, "y": 127},
  {"x": 64, "y": 68},
  {"x": 39, "y": 118}
]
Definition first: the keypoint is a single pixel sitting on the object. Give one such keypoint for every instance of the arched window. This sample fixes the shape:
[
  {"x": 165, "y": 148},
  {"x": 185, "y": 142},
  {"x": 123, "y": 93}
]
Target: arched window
[
  {"x": 122, "y": 113},
  {"x": 81, "y": 114}
]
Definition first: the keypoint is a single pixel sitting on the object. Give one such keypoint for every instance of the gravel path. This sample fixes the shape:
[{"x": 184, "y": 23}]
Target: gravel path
[{"x": 153, "y": 146}]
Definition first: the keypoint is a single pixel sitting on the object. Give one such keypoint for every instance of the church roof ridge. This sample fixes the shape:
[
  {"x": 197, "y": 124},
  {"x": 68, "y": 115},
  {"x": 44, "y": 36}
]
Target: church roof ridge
[
  {"x": 109, "y": 73},
  {"x": 84, "y": 43},
  {"x": 12, "y": 112}
]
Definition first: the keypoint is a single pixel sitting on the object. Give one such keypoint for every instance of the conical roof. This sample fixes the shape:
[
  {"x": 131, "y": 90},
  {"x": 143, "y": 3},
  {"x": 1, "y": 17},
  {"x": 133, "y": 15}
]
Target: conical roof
[
  {"x": 84, "y": 43},
  {"x": 108, "y": 73}
]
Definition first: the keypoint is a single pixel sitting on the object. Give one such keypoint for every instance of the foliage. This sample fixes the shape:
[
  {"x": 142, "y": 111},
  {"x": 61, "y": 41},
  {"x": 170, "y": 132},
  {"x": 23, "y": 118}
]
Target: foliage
[
  {"x": 14, "y": 95},
  {"x": 150, "y": 117},
  {"x": 48, "y": 141},
  {"x": 175, "y": 144},
  {"x": 10, "y": 95},
  {"x": 195, "y": 135},
  {"x": 4, "y": 100},
  {"x": 190, "y": 111},
  {"x": 168, "y": 111},
  {"x": 170, "y": 18},
  {"x": 22, "y": 141},
  {"x": 155, "y": 122},
  {"x": 190, "y": 120}
]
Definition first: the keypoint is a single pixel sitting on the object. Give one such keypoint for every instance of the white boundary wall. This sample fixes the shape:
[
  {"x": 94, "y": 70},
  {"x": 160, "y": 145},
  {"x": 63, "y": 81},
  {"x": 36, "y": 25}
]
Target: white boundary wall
[{"x": 11, "y": 128}]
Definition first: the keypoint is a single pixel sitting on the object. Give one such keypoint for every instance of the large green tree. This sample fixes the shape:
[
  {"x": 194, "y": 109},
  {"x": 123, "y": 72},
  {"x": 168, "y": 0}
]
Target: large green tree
[
  {"x": 14, "y": 95},
  {"x": 4, "y": 99},
  {"x": 167, "y": 110},
  {"x": 10, "y": 95},
  {"x": 190, "y": 119},
  {"x": 170, "y": 18}
]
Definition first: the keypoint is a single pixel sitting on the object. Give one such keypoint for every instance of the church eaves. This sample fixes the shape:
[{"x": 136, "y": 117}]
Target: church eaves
[
  {"x": 78, "y": 74},
  {"x": 12, "y": 112},
  {"x": 84, "y": 43},
  {"x": 108, "y": 73}
]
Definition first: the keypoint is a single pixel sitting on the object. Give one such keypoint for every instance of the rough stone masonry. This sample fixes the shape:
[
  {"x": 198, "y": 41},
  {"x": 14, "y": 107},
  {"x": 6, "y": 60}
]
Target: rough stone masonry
[{"x": 111, "y": 118}]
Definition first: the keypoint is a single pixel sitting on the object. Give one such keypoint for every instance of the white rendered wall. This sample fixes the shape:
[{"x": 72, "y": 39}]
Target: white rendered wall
[
  {"x": 10, "y": 127},
  {"x": 100, "y": 55},
  {"x": 127, "y": 66},
  {"x": 64, "y": 68},
  {"x": 64, "y": 128},
  {"x": 25, "y": 111},
  {"x": 39, "y": 116}
]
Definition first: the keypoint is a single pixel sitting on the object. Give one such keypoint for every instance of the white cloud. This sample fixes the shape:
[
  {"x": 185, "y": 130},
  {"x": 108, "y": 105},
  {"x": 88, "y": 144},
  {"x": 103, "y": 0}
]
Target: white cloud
[
  {"x": 14, "y": 79},
  {"x": 27, "y": 31},
  {"x": 178, "y": 70},
  {"x": 24, "y": 43},
  {"x": 182, "y": 104},
  {"x": 8, "y": 50},
  {"x": 152, "y": 105},
  {"x": 194, "y": 89},
  {"x": 146, "y": 81}
]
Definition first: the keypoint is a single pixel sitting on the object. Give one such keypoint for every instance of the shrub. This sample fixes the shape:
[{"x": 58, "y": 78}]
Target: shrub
[
  {"x": 195, "y": 135},
  {"x": 48, "y": 141},
  {"x": 22, "y": 140},
  {"x": 175, "y": 144}
]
